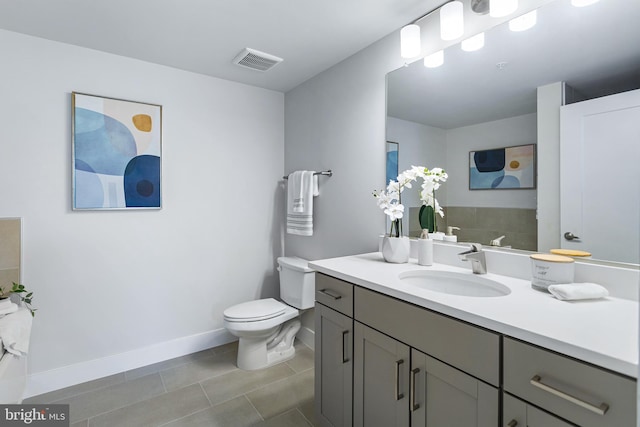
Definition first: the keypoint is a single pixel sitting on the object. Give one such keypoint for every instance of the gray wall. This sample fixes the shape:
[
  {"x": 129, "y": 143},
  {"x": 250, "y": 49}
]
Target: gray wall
[
  {"x": 109, "y": 285},
  {"x": 336, "y": 120}
]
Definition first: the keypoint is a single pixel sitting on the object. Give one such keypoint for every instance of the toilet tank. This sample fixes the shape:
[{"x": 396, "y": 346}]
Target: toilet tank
[{"x": 297, "y": 282}]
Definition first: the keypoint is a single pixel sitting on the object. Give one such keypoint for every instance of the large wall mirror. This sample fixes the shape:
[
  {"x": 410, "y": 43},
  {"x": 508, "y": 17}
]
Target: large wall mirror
[{"x": 488, "y": 99}]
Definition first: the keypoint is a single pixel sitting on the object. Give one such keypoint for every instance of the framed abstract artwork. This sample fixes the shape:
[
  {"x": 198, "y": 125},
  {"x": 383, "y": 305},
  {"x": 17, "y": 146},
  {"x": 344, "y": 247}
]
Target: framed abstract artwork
[
  {"x": 503, "y": 168},
  {"x": 117, "y": 153},
  {"x": 392, "y": 161}
]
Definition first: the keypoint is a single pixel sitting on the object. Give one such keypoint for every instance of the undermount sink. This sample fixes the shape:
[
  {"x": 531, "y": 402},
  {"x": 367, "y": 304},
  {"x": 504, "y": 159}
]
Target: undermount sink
[{"x": 449, "y": 282}]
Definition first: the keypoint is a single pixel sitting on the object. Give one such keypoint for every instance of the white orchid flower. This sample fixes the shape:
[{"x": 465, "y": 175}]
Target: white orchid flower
[{"x": 395, "y": 211}]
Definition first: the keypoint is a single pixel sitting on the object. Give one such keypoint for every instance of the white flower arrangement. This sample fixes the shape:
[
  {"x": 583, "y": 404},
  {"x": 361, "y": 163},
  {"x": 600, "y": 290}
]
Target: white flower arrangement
[{"x": 389, "y": 200}]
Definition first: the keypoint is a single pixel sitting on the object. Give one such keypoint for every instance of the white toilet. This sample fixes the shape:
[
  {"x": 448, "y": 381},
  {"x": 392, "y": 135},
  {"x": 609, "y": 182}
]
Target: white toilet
[{"x": 267, "y": 327}]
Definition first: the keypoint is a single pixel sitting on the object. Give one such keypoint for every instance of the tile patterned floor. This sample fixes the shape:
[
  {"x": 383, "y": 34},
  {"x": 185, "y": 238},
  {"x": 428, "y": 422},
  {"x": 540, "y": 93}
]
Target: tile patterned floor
[{"x": 200, "y": 389}]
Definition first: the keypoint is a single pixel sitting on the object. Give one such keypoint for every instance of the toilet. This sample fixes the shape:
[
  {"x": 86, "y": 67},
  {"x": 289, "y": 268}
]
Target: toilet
[{"x": 267, "y": 327}]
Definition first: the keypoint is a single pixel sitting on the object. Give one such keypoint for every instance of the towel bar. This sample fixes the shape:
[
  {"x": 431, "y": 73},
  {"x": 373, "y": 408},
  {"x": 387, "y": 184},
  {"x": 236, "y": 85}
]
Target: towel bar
[{"x": 327, "y": 173}]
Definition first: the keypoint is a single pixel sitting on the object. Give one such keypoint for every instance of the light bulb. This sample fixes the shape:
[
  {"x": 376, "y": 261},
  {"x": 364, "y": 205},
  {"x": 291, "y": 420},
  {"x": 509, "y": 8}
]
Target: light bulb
[
  {"x": 473, "y": 43},
  {"x": 500, "y": 8},
  {"x": 434, "y": 60},
  {"x": 451, "y": 20},
  {"x": 582, "y": 3},
  {"x": 524, "y": 22},
  {"x": 410, "y": 41}
]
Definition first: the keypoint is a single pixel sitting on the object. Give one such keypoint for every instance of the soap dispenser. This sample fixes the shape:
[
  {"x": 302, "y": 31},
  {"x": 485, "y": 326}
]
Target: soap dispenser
[
  {"x": 425, "y": 249},
  {"x": 450, "y": 237}
]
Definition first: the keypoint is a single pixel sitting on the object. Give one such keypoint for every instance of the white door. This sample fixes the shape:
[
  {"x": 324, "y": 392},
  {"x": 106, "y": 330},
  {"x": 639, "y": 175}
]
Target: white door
[{"x": 600, "y": 176}]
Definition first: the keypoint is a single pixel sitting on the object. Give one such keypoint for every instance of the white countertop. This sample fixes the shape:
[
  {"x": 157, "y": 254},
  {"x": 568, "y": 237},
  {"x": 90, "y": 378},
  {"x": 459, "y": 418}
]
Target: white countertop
[{"x": 603, "y": 332}]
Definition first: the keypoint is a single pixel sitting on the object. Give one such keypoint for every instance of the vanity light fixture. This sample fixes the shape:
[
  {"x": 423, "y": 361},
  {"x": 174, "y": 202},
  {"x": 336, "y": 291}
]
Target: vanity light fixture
[
  {"x": 500, "y": 8},
  {"x": 410, "y": 41},
  {"x": 451, "y": 20},
  {"x": 473, "y": 43},
  {"x": 524, "y": 22},
  {"x": 434, "y": 60},
  {"x": 582, "y": 3}
]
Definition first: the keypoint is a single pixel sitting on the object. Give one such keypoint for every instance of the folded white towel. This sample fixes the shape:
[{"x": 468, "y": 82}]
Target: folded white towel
[
  {"x": 15, "y": 331},
  {"x": 8, "y": 308},
  {"x": 578, "y": 291},
  {"x": 302, "y": 187}
]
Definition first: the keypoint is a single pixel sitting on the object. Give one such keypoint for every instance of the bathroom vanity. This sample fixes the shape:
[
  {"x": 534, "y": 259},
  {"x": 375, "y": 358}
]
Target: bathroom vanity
[{"x": 390, "y": 352}]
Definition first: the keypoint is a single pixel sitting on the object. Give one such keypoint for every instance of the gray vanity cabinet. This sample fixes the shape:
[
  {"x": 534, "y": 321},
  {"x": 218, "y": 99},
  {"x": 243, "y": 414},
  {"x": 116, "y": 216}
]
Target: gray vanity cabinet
[
  {"x": 380, "y": 379},
  {"x": 444, "y": 396},
  {"x": 333, "y": 352},
  {"x": 581, "y": 393},
  {"x": 517, "y": 413}
]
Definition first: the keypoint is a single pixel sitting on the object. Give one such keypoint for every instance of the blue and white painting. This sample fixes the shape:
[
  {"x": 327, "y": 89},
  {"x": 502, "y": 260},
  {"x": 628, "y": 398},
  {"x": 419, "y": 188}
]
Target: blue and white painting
[
  {"x": 116, "y": 153},
  {"x": 392, "y": 162},
  {"x": 503, "y": 168}
]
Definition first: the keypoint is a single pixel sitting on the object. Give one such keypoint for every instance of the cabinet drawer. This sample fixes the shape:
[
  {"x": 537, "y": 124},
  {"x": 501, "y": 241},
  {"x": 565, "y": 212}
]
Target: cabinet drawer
[
  {"x": 468, "y": 348},
  {"x": 517, "y": 413},
  {"x": 334, "y": 293},
  {"x": 581, "y": 393}
]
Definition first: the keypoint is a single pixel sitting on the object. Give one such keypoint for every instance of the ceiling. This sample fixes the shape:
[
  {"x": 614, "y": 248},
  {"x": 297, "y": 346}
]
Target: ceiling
[
  {"x": 594, "y": 49},
  {"x": 204, "y": 36}
]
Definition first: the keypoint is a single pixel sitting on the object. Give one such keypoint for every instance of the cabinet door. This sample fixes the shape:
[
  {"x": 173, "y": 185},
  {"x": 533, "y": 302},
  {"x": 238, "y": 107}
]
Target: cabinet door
[
  {"x": 380, "y": 379},
  {"x": 517, "y": 413},
  {"x": 334, "y": 367},
  {"x": 444, "y": 396}
]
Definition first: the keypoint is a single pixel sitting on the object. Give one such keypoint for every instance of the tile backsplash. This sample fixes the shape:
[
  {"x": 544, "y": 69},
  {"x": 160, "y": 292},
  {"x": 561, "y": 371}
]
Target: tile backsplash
[
  {"x": 10, "y": 232},
  {"x": 481, "y": 225}
]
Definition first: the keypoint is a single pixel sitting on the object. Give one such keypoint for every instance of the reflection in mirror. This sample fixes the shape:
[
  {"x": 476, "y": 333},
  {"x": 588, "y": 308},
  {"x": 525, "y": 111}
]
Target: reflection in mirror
[
  {"x": 488, "y": 99},
  {"x": 10, "y": 232}
]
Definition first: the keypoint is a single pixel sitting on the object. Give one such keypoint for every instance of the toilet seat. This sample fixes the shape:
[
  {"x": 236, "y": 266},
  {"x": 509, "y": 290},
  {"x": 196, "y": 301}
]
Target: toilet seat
[{"x": 255, "y": 311}]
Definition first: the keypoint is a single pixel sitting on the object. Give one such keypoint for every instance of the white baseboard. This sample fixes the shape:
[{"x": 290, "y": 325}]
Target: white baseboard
[
  {"x": 307, "y": 337},
  {"x": 55, "y": 379}
]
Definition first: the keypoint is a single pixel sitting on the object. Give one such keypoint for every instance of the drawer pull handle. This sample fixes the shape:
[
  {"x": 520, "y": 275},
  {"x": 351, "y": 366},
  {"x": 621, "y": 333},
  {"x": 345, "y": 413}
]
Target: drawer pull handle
[
  {"x": 512, "y": 423},
  {"x": 536, "y": 381},
  {"x": 345, "y": 358},
  {"x": 331, "y": 294},
  {"x": 398, "y": 395},
  {"x": 414, "y": 405}
]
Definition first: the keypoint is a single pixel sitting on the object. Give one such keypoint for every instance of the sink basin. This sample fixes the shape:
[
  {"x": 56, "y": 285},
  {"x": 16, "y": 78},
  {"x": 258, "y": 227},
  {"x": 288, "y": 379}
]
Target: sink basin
[{"x": 449, "y": 282}]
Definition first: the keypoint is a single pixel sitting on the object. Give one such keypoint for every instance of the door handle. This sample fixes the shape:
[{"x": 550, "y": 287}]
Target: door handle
[
  {"x": 601, "y": 409},
  {"x": 328, "y": 292},
  {"x": 569, "y": 236},
  {"x": 398, "y": 395},
  {"x": 414, "y": 406},
  {"x": 512, "y": 423},
  {"x": 345, "y": 359}
]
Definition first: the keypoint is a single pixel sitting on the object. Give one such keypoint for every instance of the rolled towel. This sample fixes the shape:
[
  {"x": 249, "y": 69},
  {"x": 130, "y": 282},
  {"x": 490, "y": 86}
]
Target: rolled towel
[
  {"x": 578, "y": 291},
  {"x": 8, "y": 308},
  {"x": 15, "y": 331}
]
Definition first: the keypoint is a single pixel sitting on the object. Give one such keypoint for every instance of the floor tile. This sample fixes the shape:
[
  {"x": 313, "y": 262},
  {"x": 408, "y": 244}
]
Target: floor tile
[
  {"x": 112, "y": 397},
  {"x": 83, "y": 423},
  {"x": 236, "y": 412},
  {"x": 199, "y": 370},
  {"x": 232, "y": 346},
  {"x": 279, "y": 397},
  {"x": 232, "y": 384},
  {"x": 292, "y": 418},
  {"x": 157, "y": 411},
  {"x": 302, "y": 360},
  {"x": 167, "y": 364},
  {"x": 308, "y": 409},
  {"x": 67, "y": 392}
]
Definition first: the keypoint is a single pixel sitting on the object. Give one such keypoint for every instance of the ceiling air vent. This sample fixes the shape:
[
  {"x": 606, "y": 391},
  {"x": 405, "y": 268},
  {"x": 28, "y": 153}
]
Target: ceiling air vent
[{"x": 256, "y": 60}]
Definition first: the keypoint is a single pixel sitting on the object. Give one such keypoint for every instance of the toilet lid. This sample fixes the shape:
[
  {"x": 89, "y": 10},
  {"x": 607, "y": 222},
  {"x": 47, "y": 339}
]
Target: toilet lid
[{"x": 261, "y": 309}]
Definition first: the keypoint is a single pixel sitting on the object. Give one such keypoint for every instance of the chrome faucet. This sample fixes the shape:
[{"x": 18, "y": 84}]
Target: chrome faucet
[{"x": 477, "y": 258}]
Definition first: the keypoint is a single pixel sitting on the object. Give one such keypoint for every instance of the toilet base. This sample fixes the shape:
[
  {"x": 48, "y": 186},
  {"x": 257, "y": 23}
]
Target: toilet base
[{"x": 263, "y": 352}]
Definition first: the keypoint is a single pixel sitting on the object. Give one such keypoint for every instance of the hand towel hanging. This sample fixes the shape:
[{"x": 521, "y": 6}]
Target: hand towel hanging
[{"x": 302, "y": 187}]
